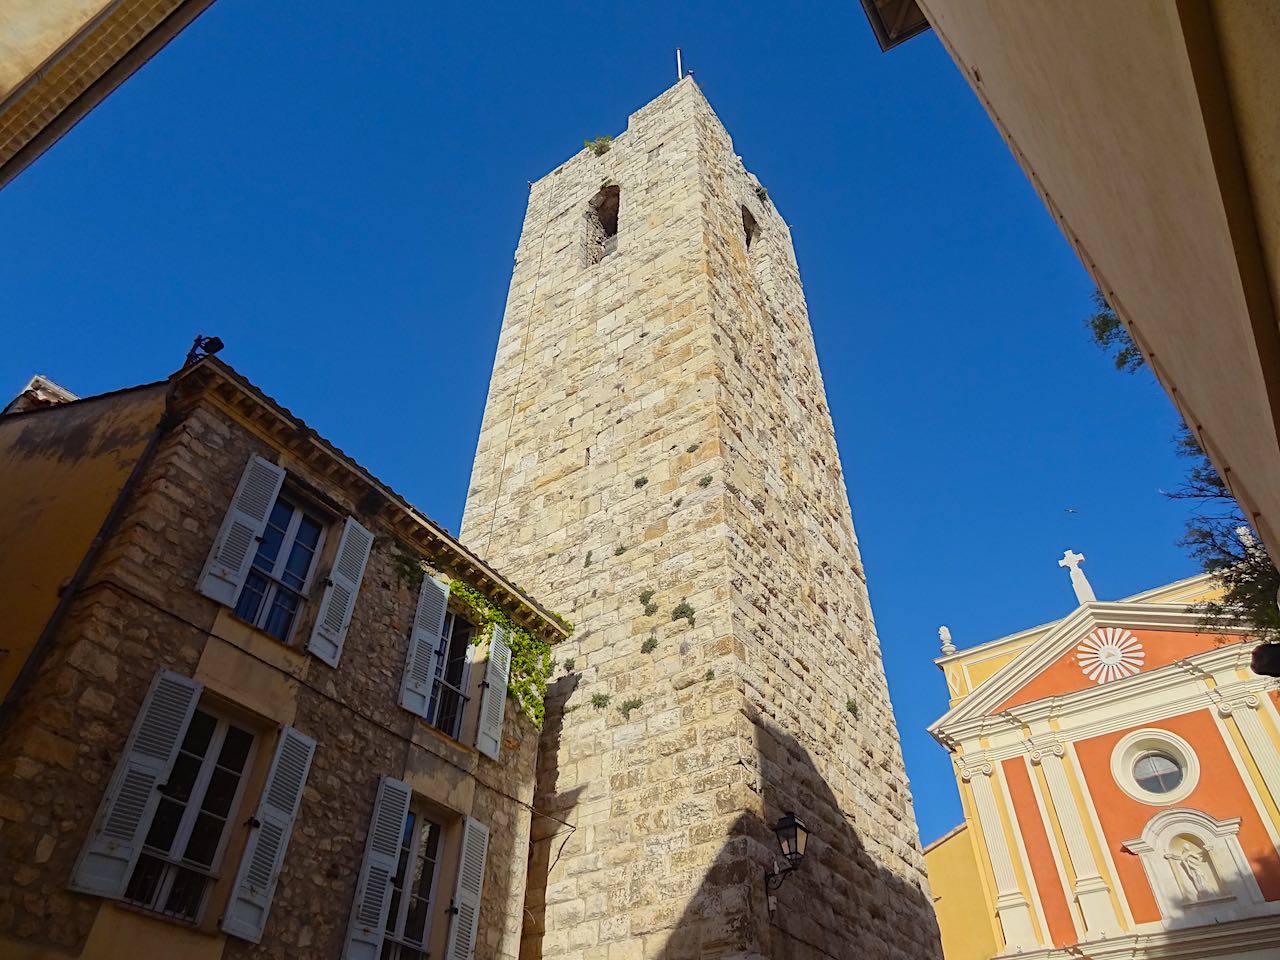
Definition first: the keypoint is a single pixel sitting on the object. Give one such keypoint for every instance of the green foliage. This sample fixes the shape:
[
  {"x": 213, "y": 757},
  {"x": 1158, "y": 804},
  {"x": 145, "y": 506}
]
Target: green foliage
[
  {"x": 709, "y": 675},
  {"x": 1218, "y": 535},
  {"x": 705, "y": 481},
  {"x": 679, "y": 500},
  {"x": 646, "y": 599},
  {"x": 569, "y": 664},
  {"x": 409, "y": 568},
  {"x": 641, "y": 481},
  {"x": 619, "y": 550},
  {"x": 1109, "y": 333},
  {"x": 852, "y": 706},
  {"x": 531, "y": 662},
  {"x": 649, "y": 645},
  {"x": 600, "y": 145},
  {"x": 1221, "y": 539},
  {"x": 587, "y": 562},
  {"x": 683, "y": 611},
  {"x": 600, "y": 700},
  {"x": 761, "y": 193},
  {"x": 629, "y": 705}
]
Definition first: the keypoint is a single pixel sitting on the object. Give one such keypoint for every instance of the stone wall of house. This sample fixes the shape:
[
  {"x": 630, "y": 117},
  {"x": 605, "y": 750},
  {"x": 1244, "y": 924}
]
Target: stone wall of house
[
  {"x": 657, "y": 422},
  {"x": 139, "y": 612}
]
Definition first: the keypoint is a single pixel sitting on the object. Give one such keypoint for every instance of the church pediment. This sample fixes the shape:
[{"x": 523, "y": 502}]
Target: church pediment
[{"x": 1101, "y": 644}]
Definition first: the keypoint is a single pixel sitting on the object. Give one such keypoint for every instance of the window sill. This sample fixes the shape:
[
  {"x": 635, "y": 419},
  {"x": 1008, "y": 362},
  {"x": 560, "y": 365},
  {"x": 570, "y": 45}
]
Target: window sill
[
  {"x": 431, "y": 737},
  {"x": 230, "y": 629}
]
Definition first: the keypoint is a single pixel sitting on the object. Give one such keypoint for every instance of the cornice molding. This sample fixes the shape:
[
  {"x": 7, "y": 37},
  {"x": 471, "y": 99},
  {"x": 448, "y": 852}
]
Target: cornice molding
[
  {"x": 1142, "y": 699},
  {"x": 212, "y": 381},
  {"x": 1066, "y": 634}
]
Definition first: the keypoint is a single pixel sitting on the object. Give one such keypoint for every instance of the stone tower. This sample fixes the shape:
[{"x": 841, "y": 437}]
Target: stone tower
[{"x": 657, "y": 463}]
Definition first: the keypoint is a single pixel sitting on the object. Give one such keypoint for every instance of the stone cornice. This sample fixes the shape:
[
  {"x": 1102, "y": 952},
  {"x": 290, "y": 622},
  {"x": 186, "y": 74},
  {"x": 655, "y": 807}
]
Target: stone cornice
[
  {"x": 1145, "y": 698},
  {"x": 212, "y": 379}
]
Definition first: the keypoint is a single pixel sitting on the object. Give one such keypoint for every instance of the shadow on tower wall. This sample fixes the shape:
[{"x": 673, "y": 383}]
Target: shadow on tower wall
[
  {"x": 547, "y": 834},
  {"x": 841, "y": 904}
]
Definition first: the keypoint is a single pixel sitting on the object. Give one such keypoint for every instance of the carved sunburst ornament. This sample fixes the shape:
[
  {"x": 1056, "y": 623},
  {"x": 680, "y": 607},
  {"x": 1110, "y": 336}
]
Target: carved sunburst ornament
[{"x": 1110, "y": 653}]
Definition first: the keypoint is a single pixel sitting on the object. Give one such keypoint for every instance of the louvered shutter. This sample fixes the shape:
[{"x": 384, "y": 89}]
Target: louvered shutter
[
  {"x": 250, "y": 901},
  {"x": 130, "y": 802},
  {"x": 424, "y": 644},
  {"x": 381, "y": 854},
  {"x": 466, "y": 896},
  {"x": 237, "y": 541},
  {"x": 493, "y": 703},
  {"x": 340, "y": 593}
]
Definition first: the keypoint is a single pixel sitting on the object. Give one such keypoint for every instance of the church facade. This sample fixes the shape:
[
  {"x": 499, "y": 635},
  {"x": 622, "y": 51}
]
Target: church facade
[
  {"x": 1120, "y": 776},
  {"x": 658, "y": 463}
]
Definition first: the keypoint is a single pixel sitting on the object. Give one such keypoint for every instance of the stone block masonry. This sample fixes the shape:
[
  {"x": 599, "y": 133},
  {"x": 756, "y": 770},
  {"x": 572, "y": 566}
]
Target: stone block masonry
[{"x": 658, "y": 462}]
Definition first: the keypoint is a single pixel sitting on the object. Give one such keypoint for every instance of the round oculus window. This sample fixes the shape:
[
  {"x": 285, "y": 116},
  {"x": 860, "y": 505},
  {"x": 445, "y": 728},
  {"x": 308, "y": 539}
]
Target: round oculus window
[
  {"x": 1155, "y": 766},
  {"x": 1157, "y": 772}
]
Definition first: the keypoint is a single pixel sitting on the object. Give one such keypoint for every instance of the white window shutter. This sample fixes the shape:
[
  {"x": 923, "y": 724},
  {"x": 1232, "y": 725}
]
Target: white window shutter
[
  {"x": 493, "y": 702},
  {"x": 424, "y": 645},
  {"x": 334, "y": 615},
  {"x": 466, "y": 896},
  {"x": 381, "y": 855},
  {"x": 237, "y": 541},
  {"x": 250, "y": 901},
  {"x": 124, "y": 817}
]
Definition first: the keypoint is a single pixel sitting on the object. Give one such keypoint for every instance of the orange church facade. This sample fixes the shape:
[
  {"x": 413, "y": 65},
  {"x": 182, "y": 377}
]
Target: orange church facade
[{"x": 1120, "y": 776}]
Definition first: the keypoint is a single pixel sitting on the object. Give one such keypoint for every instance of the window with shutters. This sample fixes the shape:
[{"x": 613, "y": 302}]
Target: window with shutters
[
  {"x": 184, "y": 842},
  {"x": 280, "y": 575},
  {"x": 264, "y": 559},
  {"x": 453, "y": 660},
  {"x": 413, "y": 890}
]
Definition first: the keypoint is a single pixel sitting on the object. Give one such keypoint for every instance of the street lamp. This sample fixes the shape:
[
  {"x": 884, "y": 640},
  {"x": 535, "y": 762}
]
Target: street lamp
[{"x": 793, "y": 836}]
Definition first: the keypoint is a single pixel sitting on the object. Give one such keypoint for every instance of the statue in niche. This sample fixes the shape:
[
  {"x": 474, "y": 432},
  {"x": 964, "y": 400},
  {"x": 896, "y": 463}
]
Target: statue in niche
[{"x": 1193, "y": 869}]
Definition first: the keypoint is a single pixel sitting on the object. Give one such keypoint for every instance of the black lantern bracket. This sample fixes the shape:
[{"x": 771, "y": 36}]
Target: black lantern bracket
[
  {"x": 793, "y": 837},
  {"x": 773, "y": 879}
]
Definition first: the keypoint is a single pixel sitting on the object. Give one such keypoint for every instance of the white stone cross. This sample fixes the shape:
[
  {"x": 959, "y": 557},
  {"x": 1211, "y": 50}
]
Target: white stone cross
[{"x": 1072, "y": 560}]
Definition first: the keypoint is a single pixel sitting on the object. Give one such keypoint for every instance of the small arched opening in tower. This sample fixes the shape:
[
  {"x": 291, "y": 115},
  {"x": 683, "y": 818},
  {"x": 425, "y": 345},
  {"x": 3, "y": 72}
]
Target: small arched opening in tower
[
  {"x": 602, "y": 224},
  {"x": 750, "y": 228}
]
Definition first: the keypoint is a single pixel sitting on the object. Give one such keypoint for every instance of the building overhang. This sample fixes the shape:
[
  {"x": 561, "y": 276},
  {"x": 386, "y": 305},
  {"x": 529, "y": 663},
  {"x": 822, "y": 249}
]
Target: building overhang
[
  {"x": 63, "y": 57},
  {"x": 213, "y": 378},
  {"x": 1150, "y": 132},
  {"x": 894, "y": 21}
]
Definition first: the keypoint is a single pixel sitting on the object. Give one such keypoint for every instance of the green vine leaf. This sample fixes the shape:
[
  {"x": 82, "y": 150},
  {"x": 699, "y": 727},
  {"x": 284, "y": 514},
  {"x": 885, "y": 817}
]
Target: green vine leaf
[{"x": 531, "y": 662}]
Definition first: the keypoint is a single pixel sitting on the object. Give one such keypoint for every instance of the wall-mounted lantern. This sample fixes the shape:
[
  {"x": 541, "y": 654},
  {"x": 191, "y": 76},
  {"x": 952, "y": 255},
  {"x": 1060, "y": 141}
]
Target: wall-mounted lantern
[{"x": 793, "y": 836}]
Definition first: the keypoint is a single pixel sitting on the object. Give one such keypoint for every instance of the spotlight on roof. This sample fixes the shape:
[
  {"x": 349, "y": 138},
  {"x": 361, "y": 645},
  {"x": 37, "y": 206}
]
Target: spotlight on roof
[{"x": 202, "y": 347}]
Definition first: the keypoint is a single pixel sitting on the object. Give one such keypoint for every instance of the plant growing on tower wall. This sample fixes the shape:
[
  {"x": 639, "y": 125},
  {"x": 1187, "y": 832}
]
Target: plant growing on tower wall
[{"x": 531, "y": 663}]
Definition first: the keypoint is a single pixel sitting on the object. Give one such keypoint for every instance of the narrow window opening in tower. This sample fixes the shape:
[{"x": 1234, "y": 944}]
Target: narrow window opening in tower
[
  {"x": 749, "y": 227},
  {"x": 602, "y": 224}
]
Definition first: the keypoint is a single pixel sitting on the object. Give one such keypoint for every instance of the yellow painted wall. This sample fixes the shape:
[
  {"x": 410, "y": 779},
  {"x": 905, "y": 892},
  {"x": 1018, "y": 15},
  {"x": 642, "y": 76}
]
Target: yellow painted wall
[
  {"x": 964, "y": 916},
  {"x": 61, "y": 469}
]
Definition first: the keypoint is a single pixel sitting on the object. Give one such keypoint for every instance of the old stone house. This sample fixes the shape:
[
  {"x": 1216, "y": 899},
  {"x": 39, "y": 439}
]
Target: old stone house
[{"x": 238, "y": 719}]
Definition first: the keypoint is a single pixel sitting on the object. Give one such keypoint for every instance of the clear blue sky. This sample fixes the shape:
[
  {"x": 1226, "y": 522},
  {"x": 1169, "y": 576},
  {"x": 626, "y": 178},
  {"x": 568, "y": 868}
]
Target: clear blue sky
[{"x": 339, "y": 199}]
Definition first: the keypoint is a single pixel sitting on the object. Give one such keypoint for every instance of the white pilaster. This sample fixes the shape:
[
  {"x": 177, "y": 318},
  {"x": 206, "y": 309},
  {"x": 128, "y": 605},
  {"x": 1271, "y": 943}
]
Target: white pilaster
[
  {"x": 1091, "y": 891},
  {"x": 1244, "y": 710},
  {"x": 1011, "y": 904}
]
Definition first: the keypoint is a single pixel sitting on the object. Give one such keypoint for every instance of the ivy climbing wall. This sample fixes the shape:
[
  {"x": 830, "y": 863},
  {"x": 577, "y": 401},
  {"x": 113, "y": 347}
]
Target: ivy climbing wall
[{"x": 657, "y": 463}]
